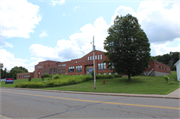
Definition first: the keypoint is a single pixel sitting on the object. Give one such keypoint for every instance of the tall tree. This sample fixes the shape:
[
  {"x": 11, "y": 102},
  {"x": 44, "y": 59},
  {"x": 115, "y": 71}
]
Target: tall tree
[
  {"x": 14, "y": 71},
  {"x": 127, "y": 46}
]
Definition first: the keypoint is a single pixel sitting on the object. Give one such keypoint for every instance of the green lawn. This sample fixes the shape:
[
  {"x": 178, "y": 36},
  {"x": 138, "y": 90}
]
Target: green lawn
[
  {"x": 19, "y": 81},
  {"x": 139, "y": 85}
]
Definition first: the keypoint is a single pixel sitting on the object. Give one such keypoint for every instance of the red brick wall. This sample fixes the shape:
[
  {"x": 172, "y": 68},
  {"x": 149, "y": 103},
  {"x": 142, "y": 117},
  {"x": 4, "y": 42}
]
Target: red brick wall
[
  {"x": 25, "y": 75},
  {"x": 84, "y": 62},
  {"x": 43, "y": 65},
  {"x": 160, "y": 67}
]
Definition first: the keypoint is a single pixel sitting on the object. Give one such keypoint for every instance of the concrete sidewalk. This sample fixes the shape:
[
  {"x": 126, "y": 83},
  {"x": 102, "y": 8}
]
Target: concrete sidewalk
[{"x": 173, "y": 95}]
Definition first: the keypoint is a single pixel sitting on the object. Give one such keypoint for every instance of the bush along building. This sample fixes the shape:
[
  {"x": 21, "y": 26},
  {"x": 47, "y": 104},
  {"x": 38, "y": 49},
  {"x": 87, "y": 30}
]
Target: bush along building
[{"x": 84, "y": 66}]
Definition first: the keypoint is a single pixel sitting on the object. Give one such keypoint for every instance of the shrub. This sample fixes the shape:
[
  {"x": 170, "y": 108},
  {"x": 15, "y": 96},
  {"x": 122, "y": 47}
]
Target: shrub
[
  {"x": 166, "y": 78},
  {"x": 56, "y": 76},
  {"x": 50, "y": 84},
  {"x": 45, "y": 75},
  {"x": 50, "y": 76}
]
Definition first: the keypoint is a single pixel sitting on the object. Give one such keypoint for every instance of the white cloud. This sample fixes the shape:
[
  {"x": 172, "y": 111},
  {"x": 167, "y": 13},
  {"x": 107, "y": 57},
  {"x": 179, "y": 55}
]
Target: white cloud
[
  {"x": 44, "y": 52},
  {"x": 18, "y": 18},
  {"x": 64, "y": 14},
  {"x": 75, "y": 8},
  {"x": 5, "y": 44},
  {"x": 160, "y": 21},
  {"x": 43, "y": 34},
  {"x": 160, "y": 49},
  {"x": 122, "y": 11},
  {"x": 9, "y": 61},
  {"x": 55, "y": 2},
  {"x": 78, "y": 45}
]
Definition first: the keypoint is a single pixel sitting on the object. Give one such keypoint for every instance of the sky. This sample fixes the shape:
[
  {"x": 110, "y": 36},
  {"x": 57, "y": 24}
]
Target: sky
[{"x": 37, "y": 30}]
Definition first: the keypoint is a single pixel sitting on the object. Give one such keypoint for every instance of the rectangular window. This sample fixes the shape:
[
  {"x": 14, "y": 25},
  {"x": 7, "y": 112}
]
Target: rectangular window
[
  {"x": 101, "y": 56},
  {"x": 98, "y": 57},
  {"x": 39, "y": 67},
  {"x": 71, "y": 69},
  {"x": 63, "y": 65},
  {"x": 79, "y": 68},
  {"x": 88, "y": 57},
  {"x": 95, "y": 56},
  {"x": 101, "y": 66}
]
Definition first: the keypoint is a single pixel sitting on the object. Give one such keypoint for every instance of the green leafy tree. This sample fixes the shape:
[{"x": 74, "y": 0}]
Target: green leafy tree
[
  {"x": 2, "y": 74},
  {"x": 14, "y": 71},
  {"x": 127, "y": 46},
  {"x": 167, "y": 59}
]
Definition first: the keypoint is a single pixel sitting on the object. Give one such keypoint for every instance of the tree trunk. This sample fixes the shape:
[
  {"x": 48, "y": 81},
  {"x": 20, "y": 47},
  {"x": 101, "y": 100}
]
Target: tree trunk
[{"x": 129, "y": 77}]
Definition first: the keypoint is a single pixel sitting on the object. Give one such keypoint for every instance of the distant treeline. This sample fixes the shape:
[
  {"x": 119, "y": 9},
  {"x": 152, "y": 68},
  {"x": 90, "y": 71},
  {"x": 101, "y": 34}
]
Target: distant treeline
[
  {"x": 167, "y": 59},
  {"x": 12, "y": 73}
]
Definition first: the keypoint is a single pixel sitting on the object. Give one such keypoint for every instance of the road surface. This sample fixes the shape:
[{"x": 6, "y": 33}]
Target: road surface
[{"x": 39, "y": 104}]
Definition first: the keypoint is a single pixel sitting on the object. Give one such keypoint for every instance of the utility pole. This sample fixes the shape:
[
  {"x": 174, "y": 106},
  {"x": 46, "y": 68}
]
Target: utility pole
[{"x": 94, "y": 64}]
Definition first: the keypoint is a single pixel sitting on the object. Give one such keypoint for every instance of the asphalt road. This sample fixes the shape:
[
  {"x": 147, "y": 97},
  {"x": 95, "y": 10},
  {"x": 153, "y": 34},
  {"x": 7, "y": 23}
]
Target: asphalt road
[{"x": 40, "y": 104}]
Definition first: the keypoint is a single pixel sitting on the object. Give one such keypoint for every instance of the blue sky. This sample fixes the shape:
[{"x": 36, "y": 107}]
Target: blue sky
[{"x": 60, "y": 30}]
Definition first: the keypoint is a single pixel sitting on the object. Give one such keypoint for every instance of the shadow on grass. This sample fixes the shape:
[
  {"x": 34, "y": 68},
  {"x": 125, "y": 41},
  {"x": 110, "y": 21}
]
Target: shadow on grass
[{"x": 124, "y": 80}]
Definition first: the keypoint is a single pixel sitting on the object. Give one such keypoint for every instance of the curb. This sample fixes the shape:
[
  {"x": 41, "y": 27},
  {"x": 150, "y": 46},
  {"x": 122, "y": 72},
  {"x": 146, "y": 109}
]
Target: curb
[
  {"x": 105, "y": 94},
  {"x": 4, "y": 117}
]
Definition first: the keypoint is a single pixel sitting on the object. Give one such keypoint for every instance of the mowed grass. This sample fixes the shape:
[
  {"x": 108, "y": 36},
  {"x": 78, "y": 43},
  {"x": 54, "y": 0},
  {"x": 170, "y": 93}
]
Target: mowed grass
[{"x": 138, "y": 85}]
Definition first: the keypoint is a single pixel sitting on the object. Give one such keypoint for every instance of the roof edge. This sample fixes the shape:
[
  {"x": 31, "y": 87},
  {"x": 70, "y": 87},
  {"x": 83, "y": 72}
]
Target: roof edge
[{"x": 177, "y": 62}]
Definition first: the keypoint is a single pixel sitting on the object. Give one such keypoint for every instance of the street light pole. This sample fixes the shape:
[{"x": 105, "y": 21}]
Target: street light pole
[{"x": 94, "y": 64}]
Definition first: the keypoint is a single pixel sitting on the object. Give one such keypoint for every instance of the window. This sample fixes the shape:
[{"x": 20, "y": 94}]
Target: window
[
  {"x": 159, "y": 67},
  {"x": 101, "y": 66},
  {"x": 95, "y": 56},
  {"x": 71, "y": 69},
  {"x": 88, "y": 57},
  {"x": 75, "y": 61},
  {"x": 54, "y": 71},
  {"x": 63, "y": 65},
  {"x": 98, "y": 57},
  {"x": 39, "y": 67},
  {"x": 78, "y": 68},
  {"x": 59, "y": 65},
  {"x": 101, "y": 56}
]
